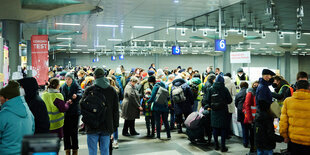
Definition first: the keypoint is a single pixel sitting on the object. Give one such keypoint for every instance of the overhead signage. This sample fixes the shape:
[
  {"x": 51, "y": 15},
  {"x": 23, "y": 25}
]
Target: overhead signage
[
  {"x": 176, "y": 50},
  {"x": 121, "y": 57},
  {"x": 39, "y": 55},
  {"x": 113, "y": 58},
  {"x": 220, "y": 45},
  {"x": 240, "y": 57}
]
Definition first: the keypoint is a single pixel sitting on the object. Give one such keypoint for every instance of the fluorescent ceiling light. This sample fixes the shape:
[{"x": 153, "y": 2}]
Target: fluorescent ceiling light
[
  {"x": 91, "y": 50},
  {"x": 61, "y": 49},
  {"x": 251, "y": 48},
  {"x": 200, "y": 41},
  {"x": 304, "y": 52},
  {"x": 81, "y": 45},
  {"x": 76, "y": 49},
  {"x": 255, "y": 43},
  {"x": 182, "y": 41},
  {"x": 195, "y": 53},
  {"x": 102, "y": 25},
  {"x": 86, "y": 52},
  {"x": 207, "y": 29},
  {"x": 178, "y": 28},
  {"x": 68, "y": 24},
  {"x": 62, "y": 45},
  {"x": 306, "y": 33},
  {"x": 264, "y": 53},
  {"x": 159, "y": 40},
  {"x": 114, "y": 39},
  {"x": 143, "y": 27},
  {"x": 271, "y": 43},
  {"x": 136, "y": 40},
  {"x": 101, "y": 46},
  {"x": 119, "y": 46},
  {"x": 74, "y": 52},
  {"x": 63, "y": 38},
  {"x": 239, "y": 48},
  {"x": 263, "y": 48},
  {"x": 307, "y": 49},
  {"x": 299, "y": 49},
  {"x": 295, "y": 52},
  {"x": 302, "y": 44},
  {"x": 233, "y": 30},
  {"x": 286, "y": 43},
  {"x": 278, "y": 52},
  {"x": 288, "y": 32}
]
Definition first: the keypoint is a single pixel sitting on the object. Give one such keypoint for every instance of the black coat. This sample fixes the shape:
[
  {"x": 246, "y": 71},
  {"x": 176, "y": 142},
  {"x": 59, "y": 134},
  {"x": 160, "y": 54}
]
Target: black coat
[
  {"x": 239, "y": 101},
  {"x": 219, "y": 118},
  {"x": 112, "y": 120},
  {"x": 74, "y": 108},
  {"x": 36, "y": 105},
  {"x": 186, "y": 106}
]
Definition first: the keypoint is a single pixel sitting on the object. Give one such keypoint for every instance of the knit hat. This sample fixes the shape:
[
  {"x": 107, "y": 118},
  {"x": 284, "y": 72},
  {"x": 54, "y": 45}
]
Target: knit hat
[
  {"x": 240, "y": 70},
  {"x": 219, "y": 78},
  {"x": 268, "y": 72},
  {"x": 99, "y": 72},
  {"x": 70, "y": 76},
  {"x": 151, "y": 79},
  {"x": 11, "y": 90}
]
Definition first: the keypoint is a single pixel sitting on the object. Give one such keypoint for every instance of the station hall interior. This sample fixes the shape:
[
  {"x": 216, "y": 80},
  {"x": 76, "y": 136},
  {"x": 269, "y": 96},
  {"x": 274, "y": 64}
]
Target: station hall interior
[{"x": 225, "y": 34}]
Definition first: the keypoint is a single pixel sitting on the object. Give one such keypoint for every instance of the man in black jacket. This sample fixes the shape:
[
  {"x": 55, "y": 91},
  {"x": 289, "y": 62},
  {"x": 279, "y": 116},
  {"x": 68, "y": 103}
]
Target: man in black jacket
[
  {"x": 111, "y": 122},
  {"x": 29, "y": 88}
]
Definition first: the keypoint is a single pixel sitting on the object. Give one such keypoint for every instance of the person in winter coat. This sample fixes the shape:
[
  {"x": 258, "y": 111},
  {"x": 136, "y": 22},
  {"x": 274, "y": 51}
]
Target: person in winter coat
[
  {"x": 300, "y": 76},
  {"x": 281, "y": 89},
  {"x": 16, "y": 120},
  {"x": 265, "y": 137},
  {"x": 131, "y": 107},
  {"x": 231, "y": 107},
  {"x": 249, "y": 110},
  {"x": 71, "y": 92},
  {"x": 29, "y": 86},
  {"x": 294, "y": 124},
  {"x": 149, "y": 115},
  {"x": 81, "y": 76},
  {"x": 218, "y": 97},
  {"x": 185, "y": 107},
  {"x": 239, "y": 100},
  {"x": 263, "y": 92},
  {"x": 161, "y": 110},
  {"x": 196, "y": 87}
]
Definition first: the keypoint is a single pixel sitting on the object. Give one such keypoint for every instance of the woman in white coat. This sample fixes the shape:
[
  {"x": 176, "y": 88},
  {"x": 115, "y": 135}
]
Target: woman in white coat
[{"x": 232, "y": 90}]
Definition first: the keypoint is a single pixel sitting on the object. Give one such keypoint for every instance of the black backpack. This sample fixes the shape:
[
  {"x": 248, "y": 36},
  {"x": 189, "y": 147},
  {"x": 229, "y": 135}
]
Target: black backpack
[
  {"x": 217, "y": 100},
  {"x": 93, "y": 107},
  {"x": 195, "y": 89}
]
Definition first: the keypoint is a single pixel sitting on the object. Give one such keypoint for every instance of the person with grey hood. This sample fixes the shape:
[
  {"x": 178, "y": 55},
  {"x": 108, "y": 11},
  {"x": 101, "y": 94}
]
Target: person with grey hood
[{"x": 109, "y": 121}]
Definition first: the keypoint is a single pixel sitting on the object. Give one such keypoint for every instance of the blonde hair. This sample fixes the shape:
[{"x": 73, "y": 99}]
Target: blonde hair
[{"x": 113, "y": 84}]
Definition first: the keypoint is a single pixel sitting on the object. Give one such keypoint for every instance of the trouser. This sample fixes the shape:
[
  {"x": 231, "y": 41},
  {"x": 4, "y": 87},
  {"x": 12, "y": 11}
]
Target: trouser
[
  {"x": 104, "y": 140},
  {"x": 208, "y": 130},
  {"x": 220, "y": 132},
  {"x": 297, "y": 149},
  {"x": 71, "y": 125},
  {"x": 115, "y": 135},
  {"x": 195, "y": 106},
  {"x": 131, "y": 125},
  {"x": 150, "y": 122},
  {"x": 179, "y": 119},
  {"x": 172, "y": 119},
  {"x": 248, "y": 134},
  {"x": 229, "y": 131},
  {"x": 164, "y": 116},
  {"x": 264, "y": 152}
]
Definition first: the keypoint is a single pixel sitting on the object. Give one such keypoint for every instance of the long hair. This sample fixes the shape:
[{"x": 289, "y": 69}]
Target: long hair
[{"x": 113, "y": 84}]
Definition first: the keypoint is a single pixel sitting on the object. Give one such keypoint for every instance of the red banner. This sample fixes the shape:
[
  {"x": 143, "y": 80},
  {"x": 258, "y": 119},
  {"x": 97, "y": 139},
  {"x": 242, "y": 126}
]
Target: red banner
[{"x": 39, "y": 56}]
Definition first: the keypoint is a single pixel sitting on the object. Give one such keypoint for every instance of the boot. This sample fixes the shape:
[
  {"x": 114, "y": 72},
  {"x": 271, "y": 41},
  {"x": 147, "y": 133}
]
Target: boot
[
  {"x": 180, "y": 129},
  {"x": 148, "y": 132},
  {"x": 74, "y": 152},
  {"x": 68, "y": 152}
]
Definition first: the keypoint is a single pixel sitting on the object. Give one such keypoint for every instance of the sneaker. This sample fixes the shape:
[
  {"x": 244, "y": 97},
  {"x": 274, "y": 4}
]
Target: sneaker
[{"x": 115, "y": 145}]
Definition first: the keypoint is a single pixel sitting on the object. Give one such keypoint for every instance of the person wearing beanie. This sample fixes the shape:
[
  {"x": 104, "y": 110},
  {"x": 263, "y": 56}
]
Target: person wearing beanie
[
  {"x": 71, "y": 92},
  {"x": 16, "y": 119},
  {"x": 217, "y": 99},
  {"x": 263, "y": 92}
]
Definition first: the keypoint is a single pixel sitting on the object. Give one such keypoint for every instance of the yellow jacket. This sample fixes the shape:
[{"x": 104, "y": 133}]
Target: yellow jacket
[{"x": 295, "y": 116}]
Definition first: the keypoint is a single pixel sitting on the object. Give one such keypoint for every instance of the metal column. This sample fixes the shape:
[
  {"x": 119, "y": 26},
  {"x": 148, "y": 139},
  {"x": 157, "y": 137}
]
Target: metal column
[
  {"x": 1, "y": 60},
  {"x": 29, "y": 60},
  {"x": 157, "y": 61},
  {"x": 287, "y": 66},
  {"x": 11, "y": 33},
  {"x": 226, "y": 60},
  {"x": 215, "y": 62}
]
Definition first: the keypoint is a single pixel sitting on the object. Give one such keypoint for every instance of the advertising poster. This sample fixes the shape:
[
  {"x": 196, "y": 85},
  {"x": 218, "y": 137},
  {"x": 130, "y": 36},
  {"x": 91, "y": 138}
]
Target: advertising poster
[{"x": 6, "y": 71}]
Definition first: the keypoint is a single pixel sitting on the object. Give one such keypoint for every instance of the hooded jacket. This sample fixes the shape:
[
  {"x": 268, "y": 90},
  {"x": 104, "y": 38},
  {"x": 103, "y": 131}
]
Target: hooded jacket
[
  {"x": 36, "y": 105},
  {"x": 198, "y": 82},
  {"x": 74, "y": 108},
  {"x": 158, "y": 107},
  {"x": 16, "y": 120},
  {"x": 183, "y": 107},
  {"x": 295, "y": 116},
  {"x": 239, "y": 101},
  {"x": 249, "y": 106},
  {"x": 232, "y": 90},
  {"x": 263, "y": 92}
]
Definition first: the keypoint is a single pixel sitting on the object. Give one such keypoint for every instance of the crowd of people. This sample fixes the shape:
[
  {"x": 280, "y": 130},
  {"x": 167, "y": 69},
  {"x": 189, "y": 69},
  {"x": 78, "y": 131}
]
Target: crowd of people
[{"x": 165, "y": 97}]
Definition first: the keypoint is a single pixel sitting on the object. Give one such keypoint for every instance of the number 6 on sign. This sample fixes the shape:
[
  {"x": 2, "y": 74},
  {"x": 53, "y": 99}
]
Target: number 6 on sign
[{"x": 220, "y": 45}]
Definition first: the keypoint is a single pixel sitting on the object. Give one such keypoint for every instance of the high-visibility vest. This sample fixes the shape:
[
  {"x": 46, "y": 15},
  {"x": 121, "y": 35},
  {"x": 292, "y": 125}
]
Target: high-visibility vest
[
  {"x": 253, "y": 110},
  {"x": 56, "y": 117},
  {"x": 84, "y": 83},
  {"x": 238, "y": 81},
  {"x": 169, "y": 89},
  {"x": 291, "y": 91}
]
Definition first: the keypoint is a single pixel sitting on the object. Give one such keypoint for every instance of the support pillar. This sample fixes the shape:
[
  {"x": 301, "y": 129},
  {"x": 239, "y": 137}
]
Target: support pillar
[
  {"x": 1, "y": 60},
  {"x": 11, "y": 32},
  {"x": 29, "y": 59},
  {"x": 157, "y": 61},
  {"x": 226, "y": 60},
  {"x": 287, "y": 71},
  {"x": 215, "y": 62}
]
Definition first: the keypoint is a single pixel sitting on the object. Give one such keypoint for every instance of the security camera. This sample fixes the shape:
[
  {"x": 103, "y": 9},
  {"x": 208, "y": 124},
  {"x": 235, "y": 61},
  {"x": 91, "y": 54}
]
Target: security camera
[
  {"x": 264, "y": 35},
  {"x": 182, "y": 32},
  {"x": 245, "y": 35},
  {"x": 205, "y": 33},
  {"x": 194, "y": 29},
  {"x": 298, "y": 36},
  {"x": 225, "y": 34},
  {"x": 280, "y": 33},
  {"x": 281, "y": 36}
]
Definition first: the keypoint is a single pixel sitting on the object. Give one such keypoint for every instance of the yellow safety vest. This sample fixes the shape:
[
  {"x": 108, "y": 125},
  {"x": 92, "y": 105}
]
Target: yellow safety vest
[
  {"x": 238, "y": 82},
  {"x": 280, "y": 102},
  {"x": 56, "y": 117},
  {"x": 169, "y": 88}
]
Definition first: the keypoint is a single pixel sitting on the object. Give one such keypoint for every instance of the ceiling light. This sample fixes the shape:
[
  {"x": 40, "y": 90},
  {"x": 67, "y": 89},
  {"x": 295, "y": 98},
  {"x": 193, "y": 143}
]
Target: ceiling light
[
  {"x": 101, "y": 46},
  {"x": 143, "y": 27},
  {"x": 251, "y": 48},
  {"x": 159, "y": 40},
  {"x": 207, "y": 29},
  {"x": 176, "y": 1},
  {"x": 86, "y": 52},
  {"x": 307, "y": 49},
  {"x": 278, "y": 52},
  {"x": 178, "y": 28},
  {"x": 81, "y": 45},
  {"x": 200, "y": 41},
  {"x": 306, "y": 33},
  {"x": 232, "y": 30},
  {"x": 255, "y": 43},
  {"x": 136, "y": 40},
  {"x": 114, "y": 39},
  {"x": 68, "y": 24},
  {"x": 74, "y": 52},
  {"x": 302, "y": 44},
  {"x": 286, "y": 43},
  {"x": 182, "y": 41},
  {"x": 288, "y": 32},
  {"x": 271, "y": 43},
  {"x": 264, "y": 53},
  {"x": 101, "y": 25},
  {"x": 239, "y": 48},
  {"x": 295, "y": 52},
  {"x": 62, "y": 45},
  {"x": 263, "y": 48},
  {"x": 304, "y": 52},
  {"x": 299, "y": 49},
  {"x": 76, "y": 49},
  {"x": 195, "y": 53},
  {"x": 91, "y": 50},
  {"x": 63, "y": 38}
]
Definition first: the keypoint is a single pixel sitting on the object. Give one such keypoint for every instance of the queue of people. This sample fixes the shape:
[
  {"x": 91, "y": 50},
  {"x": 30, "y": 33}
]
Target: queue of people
[{"x": 101, "y": 96}]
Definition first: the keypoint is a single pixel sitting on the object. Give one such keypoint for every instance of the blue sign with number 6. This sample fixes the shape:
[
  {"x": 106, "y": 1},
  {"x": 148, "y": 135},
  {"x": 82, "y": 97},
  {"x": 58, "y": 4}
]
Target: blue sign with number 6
[{"x": 220, "y": 45}]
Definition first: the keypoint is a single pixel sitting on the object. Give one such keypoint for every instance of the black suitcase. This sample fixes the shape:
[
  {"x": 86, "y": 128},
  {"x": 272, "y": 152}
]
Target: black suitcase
[{"x": 195, "y": 134}]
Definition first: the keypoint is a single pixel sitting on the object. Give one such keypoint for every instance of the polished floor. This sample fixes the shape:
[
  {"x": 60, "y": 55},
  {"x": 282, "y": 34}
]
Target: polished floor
[{"x": 178, "y": 145}]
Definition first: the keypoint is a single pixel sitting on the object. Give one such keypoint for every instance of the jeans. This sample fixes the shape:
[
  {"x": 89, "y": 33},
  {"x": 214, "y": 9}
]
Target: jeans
[
  {"x": 70, "y": 130},
  {"x": 115, "y": 134},
  {"x": 172, "y": 119},
  {"x": 92, "y": 142},
  {"x": 150, "y": 122},
  {"x": 195, "y": 106},
  {"x": 222, "y": 132},
  {"x": 264, "y": 152},
  {"x": 164, "y": 116}
]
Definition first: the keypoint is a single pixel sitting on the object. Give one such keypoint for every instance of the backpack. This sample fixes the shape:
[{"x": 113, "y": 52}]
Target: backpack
[
  {"x": 217, "y": 100},
  {"x": 178, "y": 95},
  {"x": 193, "y": 121},
  {"x": 93, "y": 107},
  {"x": 162, "y": 95},
  {"x": 195, "y": 89}
]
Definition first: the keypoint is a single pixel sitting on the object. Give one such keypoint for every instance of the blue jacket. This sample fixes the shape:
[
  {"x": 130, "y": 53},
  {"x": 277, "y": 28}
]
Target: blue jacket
[
  {"x": 158, "y": 107},
  {"x": 263, "y": 92},
  {"x": 16, "y": 120},
  {"x": 185, "y": 107}
]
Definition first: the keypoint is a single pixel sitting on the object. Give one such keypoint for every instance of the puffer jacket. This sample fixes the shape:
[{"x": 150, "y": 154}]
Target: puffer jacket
[
  {"x": 232, "y": 90},
  {"x": 184, "y": 107},
  {"x": 295, "y": 116},
  {"x": 239, "y": 100},
  {"x": 158, "y": 107}
]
